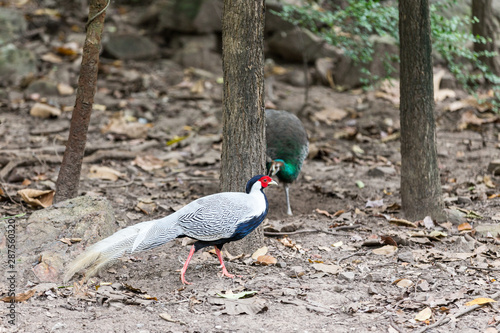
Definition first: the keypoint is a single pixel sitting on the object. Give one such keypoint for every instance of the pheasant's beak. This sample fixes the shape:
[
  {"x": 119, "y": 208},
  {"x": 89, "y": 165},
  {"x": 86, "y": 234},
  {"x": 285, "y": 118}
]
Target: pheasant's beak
[{"x": 272, "y": 182}]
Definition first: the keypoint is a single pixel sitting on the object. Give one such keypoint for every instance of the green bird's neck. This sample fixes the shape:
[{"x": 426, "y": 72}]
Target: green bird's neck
[{"x": 288, "y": 172}]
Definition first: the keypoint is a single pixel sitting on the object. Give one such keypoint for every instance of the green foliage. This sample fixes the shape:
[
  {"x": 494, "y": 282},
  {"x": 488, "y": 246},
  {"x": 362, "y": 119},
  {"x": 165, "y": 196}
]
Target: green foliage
[{"x": 352, "y": 29}]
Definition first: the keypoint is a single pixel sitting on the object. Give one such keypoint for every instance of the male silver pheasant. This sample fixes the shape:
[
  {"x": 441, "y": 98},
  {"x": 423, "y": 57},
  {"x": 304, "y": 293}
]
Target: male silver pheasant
[
  {"x": 287, "y": 148},
  {"x": 215, "y": 220}
]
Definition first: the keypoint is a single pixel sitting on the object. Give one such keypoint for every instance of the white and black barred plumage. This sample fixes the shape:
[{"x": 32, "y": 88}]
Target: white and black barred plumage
[{"x": 212, "y": 220}]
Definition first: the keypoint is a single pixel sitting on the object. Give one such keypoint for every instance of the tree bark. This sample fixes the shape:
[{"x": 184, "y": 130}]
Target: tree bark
[
  {"x": 420, "y": 182},
  {"x": 483, "y": 10},
  {"x": 243, "y": 118},
  {"x": 68, "y": 179}
]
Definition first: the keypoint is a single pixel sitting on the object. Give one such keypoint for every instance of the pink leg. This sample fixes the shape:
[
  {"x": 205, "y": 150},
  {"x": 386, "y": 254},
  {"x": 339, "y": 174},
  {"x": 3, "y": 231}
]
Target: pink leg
[
  {"x": 184, "y": 268},
  {"x": 224, "y": 270}
]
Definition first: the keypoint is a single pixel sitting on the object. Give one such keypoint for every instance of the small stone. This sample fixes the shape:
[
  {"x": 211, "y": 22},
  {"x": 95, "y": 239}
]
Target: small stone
[
  {"x": 423, "y": 285},
  {"x": 375, "y": 277},
  {"x": 488, "y": 230},
  {"x": 379, "y": 172},
  {"x": 57, "y": 326},
  {"x": 464, "y": 200},
  {"x": 43, "y": 87},
  {"x": 131, "y": 47},
  {"x": 281, "y": 264},
  {"x": 349, "y": 276},
  {"x": 337, "y": 288},
  {"x": 494, "y": 167},
  {"x": 44, "y": 111},
  {"x": 297, "y": 271},
  {"x": 455, "y": 216},
  {"x": 405, "y": 256},
  {"x": 372, "y": 291}
]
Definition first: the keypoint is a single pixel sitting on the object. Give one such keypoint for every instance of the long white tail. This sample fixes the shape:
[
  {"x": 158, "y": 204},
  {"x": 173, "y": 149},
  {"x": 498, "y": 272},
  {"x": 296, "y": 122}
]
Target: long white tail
[{"x": 136, "y": 238}]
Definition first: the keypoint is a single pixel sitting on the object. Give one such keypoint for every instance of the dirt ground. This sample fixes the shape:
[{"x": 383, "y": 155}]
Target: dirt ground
[{"x": 337, "y": 269}]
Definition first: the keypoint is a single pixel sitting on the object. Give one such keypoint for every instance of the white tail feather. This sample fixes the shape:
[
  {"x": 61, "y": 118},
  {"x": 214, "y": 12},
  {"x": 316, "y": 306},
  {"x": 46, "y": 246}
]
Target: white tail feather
[{"x": 139, "y": 237}]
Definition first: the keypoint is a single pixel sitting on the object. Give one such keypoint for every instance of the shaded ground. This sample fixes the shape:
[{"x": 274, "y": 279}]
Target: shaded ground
[{"x": 356, "y": 289}]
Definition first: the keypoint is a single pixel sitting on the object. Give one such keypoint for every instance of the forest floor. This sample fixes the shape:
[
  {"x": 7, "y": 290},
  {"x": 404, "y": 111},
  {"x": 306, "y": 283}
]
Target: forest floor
[{"x": 348, "y": 262}]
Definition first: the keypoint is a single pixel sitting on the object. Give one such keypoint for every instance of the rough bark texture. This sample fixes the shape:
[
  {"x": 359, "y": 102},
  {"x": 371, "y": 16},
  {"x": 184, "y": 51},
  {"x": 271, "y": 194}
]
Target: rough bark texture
[
  {"x": 483, "y": 10},
  {"x": 420, "y": 182},
  {"x": 69, "y": 176},
  {"x": 244, "y": 144}
]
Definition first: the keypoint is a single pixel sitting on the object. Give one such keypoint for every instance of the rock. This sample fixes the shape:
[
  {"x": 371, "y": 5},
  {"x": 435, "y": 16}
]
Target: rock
[
  {"x": 13, "y": 24},
  {"x": 297, "y": 78},
  {"x": 274, "y": 22},
  {"x": 199, "y": 52},
  {"x": 324, "y": 70},
  {"x": 296, "y": 271},
  {"x": 494, "y": 167},
  {"x": 15, "y": 63},
  {"x": 43, "y": 87},
  {"x": 375, "y": 277},
  {"x": 455, "y": 216},
  {"x": 43, "y": 255},
  {"x": 196, "y": 16},
  {"x": 348, "y": 74},
  {"x": 292, "y": 45},
  {"x": 41, "y": 110},
  {"x": 464, "y": 200},
  {"x": 379, "y": 172},
  {"x": 349, "y": 276},
  {"x": 488, "y": 230},
  {"x": 448, "y": 81},
  {"x": 406, "y": 256},
  {"x": 131, "y": 47}
]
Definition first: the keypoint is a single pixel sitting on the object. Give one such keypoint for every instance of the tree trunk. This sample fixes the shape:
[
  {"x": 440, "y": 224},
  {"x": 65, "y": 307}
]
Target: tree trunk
[
  {"x": 68, "y": 179},
  {"x": 420, "y": 182},
  {"x": 482, "y": 9},
  {"x": 243, "y": 118}
]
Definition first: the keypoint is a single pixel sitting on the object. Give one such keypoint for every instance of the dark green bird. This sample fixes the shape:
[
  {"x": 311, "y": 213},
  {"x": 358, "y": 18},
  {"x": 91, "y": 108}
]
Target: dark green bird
[{"x": 287, "y": 148}]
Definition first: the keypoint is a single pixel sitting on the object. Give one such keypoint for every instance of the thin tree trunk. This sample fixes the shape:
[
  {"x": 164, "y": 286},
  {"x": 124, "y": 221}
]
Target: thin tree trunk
[
  {"x": 243, "y": 118},
  {"x": 420, "y": 182},
  {"x": 482, "y": 9},
  {"x": 68, "y": 179}
]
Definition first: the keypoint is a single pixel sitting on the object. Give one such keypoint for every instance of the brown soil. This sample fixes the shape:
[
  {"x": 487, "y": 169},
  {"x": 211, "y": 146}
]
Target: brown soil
[{"x": 295, "y": 294}]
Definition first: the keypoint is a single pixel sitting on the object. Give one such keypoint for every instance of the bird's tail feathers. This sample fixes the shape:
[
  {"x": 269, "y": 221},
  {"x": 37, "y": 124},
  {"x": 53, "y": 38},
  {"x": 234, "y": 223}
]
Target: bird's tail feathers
[{"x": 136, "y": 238}]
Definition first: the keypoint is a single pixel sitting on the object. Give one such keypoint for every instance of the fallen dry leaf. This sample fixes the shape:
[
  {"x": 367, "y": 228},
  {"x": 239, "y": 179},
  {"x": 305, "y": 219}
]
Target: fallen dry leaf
[
  {"x": 428, "y": 223},
  {"x": 52, "y": 58},
  {"x": 37, "y": 198},
  {"x": 148, "y": 162},
  {"x": 331, "y": 269},
  {"x": 464, "y": 226},
  {"x": 70, "y": 241},
  {"x": 387, "y": 250},
  {"x": 424, "y": 315},
  {"x": 323, "y": 212},
  {"x": 329, "y": 115},
  {"x": 388, "y": 240},
  {"x": 147, "y": 206},
  {"x": 168, "y": 317},
  {"x": 64, "y": 89},
  {"x": 389, "y": 90},
  {"x": 402, "y": 222},
  {"x": 488, "y": 182},
  {"x": 403, "y": 283},
  {"x": 266, "y": 260},
  {"x": 103, "y": 172},
  {"x": 121, "y": 127},
  {"x": 480, "y": 301},
  {"x": 260, "y": 252},
  {"x": 21, "y": 297},
  {"x": 41, "y": 110}
]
